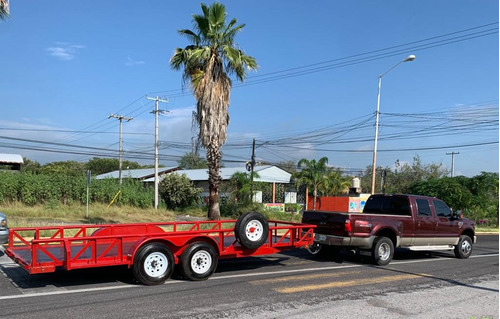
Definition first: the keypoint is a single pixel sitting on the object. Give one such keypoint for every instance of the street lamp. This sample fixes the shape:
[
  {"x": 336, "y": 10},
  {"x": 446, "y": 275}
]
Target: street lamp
[{"x": 374, "y": 164}]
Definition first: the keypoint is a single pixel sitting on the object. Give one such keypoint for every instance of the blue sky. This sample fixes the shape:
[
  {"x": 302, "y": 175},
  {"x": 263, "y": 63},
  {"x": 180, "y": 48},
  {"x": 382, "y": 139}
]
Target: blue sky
[{"x": 67, "y": 65}]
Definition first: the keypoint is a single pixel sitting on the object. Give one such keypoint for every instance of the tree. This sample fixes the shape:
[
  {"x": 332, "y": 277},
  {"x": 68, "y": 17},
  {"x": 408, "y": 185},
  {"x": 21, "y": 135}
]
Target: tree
[
  {"x": 207, "y": 61},
  {"x": 192, "y": 161},
  {"x": 104, "y": 165},
  {"x": 335, "y": 184},
  {"x": 178, "y": 191},
  {"x": 4, "y": 10},
  {"x": 313, "y": 175},
  {"x": 240, "y": 187},
  {"x": 71, "y": 168},
  {"x": 403, "y": 176},
  {"x": 30, "y": 166},
  {"x": 448, "y": 189}
]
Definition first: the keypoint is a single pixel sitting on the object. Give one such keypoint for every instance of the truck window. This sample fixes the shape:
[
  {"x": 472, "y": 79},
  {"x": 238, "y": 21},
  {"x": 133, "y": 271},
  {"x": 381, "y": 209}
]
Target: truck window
[
  {"x": 442, "y": 210},
  {"x": 423, "y": 207},
  {"x": 387, "y": 206}
]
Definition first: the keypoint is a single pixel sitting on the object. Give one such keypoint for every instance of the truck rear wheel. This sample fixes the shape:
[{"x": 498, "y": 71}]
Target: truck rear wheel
[
  {"x": 382, "y": 251},
  {"x": 153, "y": 264},
  {"x": 464, "y": 248},
  {"x": 199, "y": 261},
  {"x": 251, "y": 230}
]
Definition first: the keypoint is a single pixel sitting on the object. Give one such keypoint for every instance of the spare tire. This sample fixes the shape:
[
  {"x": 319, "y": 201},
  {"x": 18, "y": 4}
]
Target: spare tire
[{"x": 251, "y": 230}]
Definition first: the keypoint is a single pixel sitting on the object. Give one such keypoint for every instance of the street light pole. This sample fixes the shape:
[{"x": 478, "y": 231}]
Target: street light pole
[{"x": 377, "y": 116}]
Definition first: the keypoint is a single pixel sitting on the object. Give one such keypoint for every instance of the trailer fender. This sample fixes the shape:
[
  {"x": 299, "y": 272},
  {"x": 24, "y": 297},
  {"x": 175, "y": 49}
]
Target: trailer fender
[
  {"x": 145, "y": 241},
  {"x": 206, "y": 239}
]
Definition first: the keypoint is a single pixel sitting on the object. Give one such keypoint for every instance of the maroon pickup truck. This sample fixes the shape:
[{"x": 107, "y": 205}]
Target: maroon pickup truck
[{"x": 389, "y": 221}]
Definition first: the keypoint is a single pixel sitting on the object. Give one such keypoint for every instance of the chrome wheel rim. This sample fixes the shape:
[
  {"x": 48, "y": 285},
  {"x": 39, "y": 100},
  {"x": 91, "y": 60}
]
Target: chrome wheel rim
[
  {"x": 384, "y": 251},
  {"x": 314, "y": 249},
  {"x": 466, "y": 247}
]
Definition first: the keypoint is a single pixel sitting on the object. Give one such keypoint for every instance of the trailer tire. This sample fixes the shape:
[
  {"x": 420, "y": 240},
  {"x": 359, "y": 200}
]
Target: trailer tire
[
  {"x": 382, "y": 251},
  {"x": 199, "y": 261},
  {"x": 251, "y": 230},
  {"x": 153, "y": 264}
]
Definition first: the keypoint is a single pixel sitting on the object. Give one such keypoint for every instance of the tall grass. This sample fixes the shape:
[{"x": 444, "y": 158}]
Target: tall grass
[{"x": 20, "y": 215}]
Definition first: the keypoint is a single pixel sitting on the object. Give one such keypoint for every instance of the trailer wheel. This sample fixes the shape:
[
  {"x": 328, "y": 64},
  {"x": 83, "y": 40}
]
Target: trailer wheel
[
  {"x": 199, "y": 261},
  {"x": 153, "y": 264},
  {"x": 464, "y": 248},
  {"x": 382, "y": 251},
  {"x": 251, "y": 230}
]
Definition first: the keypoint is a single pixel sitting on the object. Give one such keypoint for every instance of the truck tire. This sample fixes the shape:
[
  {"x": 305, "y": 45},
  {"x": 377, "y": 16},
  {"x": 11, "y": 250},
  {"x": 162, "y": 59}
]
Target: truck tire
[
  {"x": 251, "y": 230},
  {"x": 199, "y": 261},
  {"x": 464, "y": 248},
  {"x": 153, "y": 264},
  {"x": 382, "y": 251}
]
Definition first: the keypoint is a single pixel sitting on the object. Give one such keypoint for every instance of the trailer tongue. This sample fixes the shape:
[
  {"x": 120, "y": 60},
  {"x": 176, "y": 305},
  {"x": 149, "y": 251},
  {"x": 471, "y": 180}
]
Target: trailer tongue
[{"x": 153, "y": 249}]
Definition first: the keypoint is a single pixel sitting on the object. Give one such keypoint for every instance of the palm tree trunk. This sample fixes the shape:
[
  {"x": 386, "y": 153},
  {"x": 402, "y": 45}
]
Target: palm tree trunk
[{"x": 214, "y": 179}]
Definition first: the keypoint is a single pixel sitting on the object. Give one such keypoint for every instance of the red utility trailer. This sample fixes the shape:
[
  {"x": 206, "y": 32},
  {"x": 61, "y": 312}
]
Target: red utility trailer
[{"x": 152, "y": 249}]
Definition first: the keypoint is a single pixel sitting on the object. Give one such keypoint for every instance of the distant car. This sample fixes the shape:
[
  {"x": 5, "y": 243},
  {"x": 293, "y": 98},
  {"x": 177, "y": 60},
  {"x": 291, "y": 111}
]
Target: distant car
[{"x": 4, "y": 230}]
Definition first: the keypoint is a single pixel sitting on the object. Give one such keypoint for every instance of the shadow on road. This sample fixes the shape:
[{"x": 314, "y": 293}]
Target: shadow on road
[{"x": 62, "y": 278}]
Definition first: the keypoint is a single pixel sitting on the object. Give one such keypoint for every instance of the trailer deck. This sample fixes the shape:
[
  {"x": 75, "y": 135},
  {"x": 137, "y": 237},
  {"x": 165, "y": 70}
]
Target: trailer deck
[{"x": 44, "y": 249}]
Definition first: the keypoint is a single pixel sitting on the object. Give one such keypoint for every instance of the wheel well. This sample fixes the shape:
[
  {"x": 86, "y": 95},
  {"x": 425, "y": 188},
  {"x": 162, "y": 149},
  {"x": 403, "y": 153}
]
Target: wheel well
[
  {"x": 389, "y": 233},
  {"x": 204, "y": 239},
  {"x": 469, "y": 232}
]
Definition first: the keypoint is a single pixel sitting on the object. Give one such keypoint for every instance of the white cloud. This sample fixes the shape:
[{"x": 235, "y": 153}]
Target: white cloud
[
  {"x": 65, "y": 51},
  {"x": 132, "y": 62}
]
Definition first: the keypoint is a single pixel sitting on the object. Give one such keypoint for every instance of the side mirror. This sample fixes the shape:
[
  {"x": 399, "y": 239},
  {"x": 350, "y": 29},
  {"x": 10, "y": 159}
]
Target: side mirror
[{"x": 457, "y": 214}]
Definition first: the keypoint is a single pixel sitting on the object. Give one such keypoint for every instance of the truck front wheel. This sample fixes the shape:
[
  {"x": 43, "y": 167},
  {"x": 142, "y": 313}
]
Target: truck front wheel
[
  {"x": 153, "y": 264},
  {"x": 382, "y": 251},
  {"x": 464, "y": 248}
]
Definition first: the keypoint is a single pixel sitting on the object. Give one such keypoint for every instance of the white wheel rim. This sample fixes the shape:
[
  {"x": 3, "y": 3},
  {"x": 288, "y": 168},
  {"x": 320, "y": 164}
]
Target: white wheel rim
[
  {"x": 201, "y": 262},
  {"x": 156, "y": 265},
  {"x": 254, "y": 230},
  {"x": 384, "y": 251}
]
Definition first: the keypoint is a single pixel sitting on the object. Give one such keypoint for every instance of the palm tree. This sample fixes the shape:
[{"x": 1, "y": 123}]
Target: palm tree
[
  {"x": 4, "y": 9},
  {"x": 336, "y": 184},
  {"x": 208, "y": 61},
  {"x": 313, "y": 175}
]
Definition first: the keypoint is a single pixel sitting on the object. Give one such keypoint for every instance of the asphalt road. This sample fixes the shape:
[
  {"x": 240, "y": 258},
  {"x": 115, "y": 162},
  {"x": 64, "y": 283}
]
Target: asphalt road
[{"x": 288, "y": 285}]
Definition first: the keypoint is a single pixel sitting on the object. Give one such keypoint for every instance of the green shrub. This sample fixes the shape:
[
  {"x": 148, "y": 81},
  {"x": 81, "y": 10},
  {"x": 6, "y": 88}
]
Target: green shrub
[{"x": 178, "y": 191}]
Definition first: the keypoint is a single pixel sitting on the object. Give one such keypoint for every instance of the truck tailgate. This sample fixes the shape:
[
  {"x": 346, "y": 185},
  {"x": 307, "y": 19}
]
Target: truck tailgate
[{"x": 330, "y": 223}]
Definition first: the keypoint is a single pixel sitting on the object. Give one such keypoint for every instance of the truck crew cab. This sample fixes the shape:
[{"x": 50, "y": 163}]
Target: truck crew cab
[{"x": 389, "y": 221}]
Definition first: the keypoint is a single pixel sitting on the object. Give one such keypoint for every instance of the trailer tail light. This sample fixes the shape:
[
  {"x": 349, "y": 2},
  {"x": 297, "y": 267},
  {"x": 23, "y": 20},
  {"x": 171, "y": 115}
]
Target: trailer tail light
[{"x": 348, "y": 226}]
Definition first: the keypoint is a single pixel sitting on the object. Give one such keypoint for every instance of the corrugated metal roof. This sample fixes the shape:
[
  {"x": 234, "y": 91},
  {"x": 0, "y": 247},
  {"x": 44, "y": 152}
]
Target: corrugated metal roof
[
  {"x": 136, "y": 173},
  {"x": 11, "y": 159},
  {"x": 268, "y": 173}
]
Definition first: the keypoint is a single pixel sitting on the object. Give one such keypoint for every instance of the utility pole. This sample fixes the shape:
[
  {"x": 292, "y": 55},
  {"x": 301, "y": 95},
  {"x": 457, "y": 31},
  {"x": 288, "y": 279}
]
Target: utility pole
[
  {"x": 155, "y": 112},
  {"x": 251, "y": 173},
  {"x": 453, "y": 162},
  {"x": 120, "y": 150}
]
